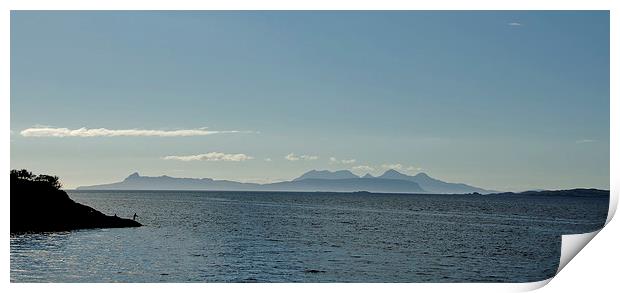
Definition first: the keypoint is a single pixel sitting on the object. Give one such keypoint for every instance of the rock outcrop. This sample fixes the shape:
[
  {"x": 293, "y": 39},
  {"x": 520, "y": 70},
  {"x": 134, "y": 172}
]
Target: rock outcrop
[{"x": 39, "y": 205}]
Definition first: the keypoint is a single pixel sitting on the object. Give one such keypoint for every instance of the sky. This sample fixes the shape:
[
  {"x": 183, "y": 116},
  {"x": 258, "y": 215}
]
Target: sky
[{"x": 501, "y": 100}]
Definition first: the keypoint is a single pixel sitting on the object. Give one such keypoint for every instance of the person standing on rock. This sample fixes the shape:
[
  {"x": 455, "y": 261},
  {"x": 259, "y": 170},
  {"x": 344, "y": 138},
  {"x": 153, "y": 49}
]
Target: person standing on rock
[{"x": 135, "y": 216}]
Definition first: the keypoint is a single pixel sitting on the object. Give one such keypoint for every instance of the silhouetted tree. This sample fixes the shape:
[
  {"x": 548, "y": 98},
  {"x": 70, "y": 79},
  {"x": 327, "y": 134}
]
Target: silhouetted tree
[
  {"x": 25, "y": 175},
  {"x": 22, "y": 174},
  {"x": 51, "y": 180}
]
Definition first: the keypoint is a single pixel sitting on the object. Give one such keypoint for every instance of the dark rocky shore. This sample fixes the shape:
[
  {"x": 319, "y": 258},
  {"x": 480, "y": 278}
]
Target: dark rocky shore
[{"x": 39, "y": 205}]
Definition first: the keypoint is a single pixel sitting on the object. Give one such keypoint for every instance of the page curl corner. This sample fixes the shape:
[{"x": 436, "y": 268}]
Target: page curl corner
[{"x": 572, "y": 244}]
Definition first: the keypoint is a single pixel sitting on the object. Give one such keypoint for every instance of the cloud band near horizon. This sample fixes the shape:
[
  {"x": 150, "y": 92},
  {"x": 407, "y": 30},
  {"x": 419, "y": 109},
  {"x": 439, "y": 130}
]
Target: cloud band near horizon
[
  {"x": 212, "y": 156},
  {"x": 293, "y": 157},
  {"x": 104, "y": 132}
]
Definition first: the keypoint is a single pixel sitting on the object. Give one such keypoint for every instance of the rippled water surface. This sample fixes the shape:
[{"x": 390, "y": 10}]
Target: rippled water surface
[{"x": 310, "y": 237}]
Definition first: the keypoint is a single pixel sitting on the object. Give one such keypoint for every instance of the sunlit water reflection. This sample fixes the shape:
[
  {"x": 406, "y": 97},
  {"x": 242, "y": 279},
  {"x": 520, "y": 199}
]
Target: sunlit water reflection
[{"x": 310, "y": 237}]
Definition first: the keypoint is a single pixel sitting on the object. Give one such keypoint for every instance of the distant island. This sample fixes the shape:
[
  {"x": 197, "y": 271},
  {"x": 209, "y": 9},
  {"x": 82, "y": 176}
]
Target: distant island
[
  {"x": 575, "y": 192},
  {"x": 391, "y": 181},
  {"x": 39, "y": 205}
]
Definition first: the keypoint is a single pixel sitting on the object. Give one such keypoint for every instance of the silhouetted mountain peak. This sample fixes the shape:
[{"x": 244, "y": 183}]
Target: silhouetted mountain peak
[
  {"x": 326, "y": 174},
  {"x": 314, "y": 180},
  {"x": 393, "y": 174},
  {"x": 392, "y": 171},
  {"x": 422, "y": 175},
  {"x": 133, "y": 175}
]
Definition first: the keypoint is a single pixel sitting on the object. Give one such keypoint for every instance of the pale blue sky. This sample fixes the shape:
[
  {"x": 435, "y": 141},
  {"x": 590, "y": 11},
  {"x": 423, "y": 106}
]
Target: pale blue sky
[{"x": 501, "y": 100}]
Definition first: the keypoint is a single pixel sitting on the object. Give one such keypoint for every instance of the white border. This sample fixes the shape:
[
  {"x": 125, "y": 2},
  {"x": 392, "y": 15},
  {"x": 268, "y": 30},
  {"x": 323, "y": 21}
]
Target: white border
[{"x": 595, "y": 266}]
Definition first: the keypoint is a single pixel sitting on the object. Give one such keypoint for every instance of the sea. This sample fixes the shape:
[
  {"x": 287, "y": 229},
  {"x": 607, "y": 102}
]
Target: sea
[{"x": 212, "y": 236}]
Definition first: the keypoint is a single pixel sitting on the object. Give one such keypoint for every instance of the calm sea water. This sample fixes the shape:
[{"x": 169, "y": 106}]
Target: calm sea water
[{"x": 310, "y": 237}]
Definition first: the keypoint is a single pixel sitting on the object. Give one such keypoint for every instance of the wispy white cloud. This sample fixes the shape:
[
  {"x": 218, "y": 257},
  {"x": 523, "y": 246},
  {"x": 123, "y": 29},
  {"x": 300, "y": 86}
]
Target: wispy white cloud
[
  {"x": 392, "y": 166},
  {"x": 363, "y": 168},
  {"x": 333, "y": 160},
  {"x": 98, "y": 132},
  {"x": 268, "y": 160},
  {"x": 514, "y": 23},
  {"x": 293, "y": 157},
  {"x": 585, "y": 141},
  {"x": 401, "y": 167},
  {"x": 212, "y": 156}
]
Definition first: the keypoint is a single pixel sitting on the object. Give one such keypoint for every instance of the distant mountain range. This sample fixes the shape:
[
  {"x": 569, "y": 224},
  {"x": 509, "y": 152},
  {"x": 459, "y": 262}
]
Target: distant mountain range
[{"x": 391, "y": 181}]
